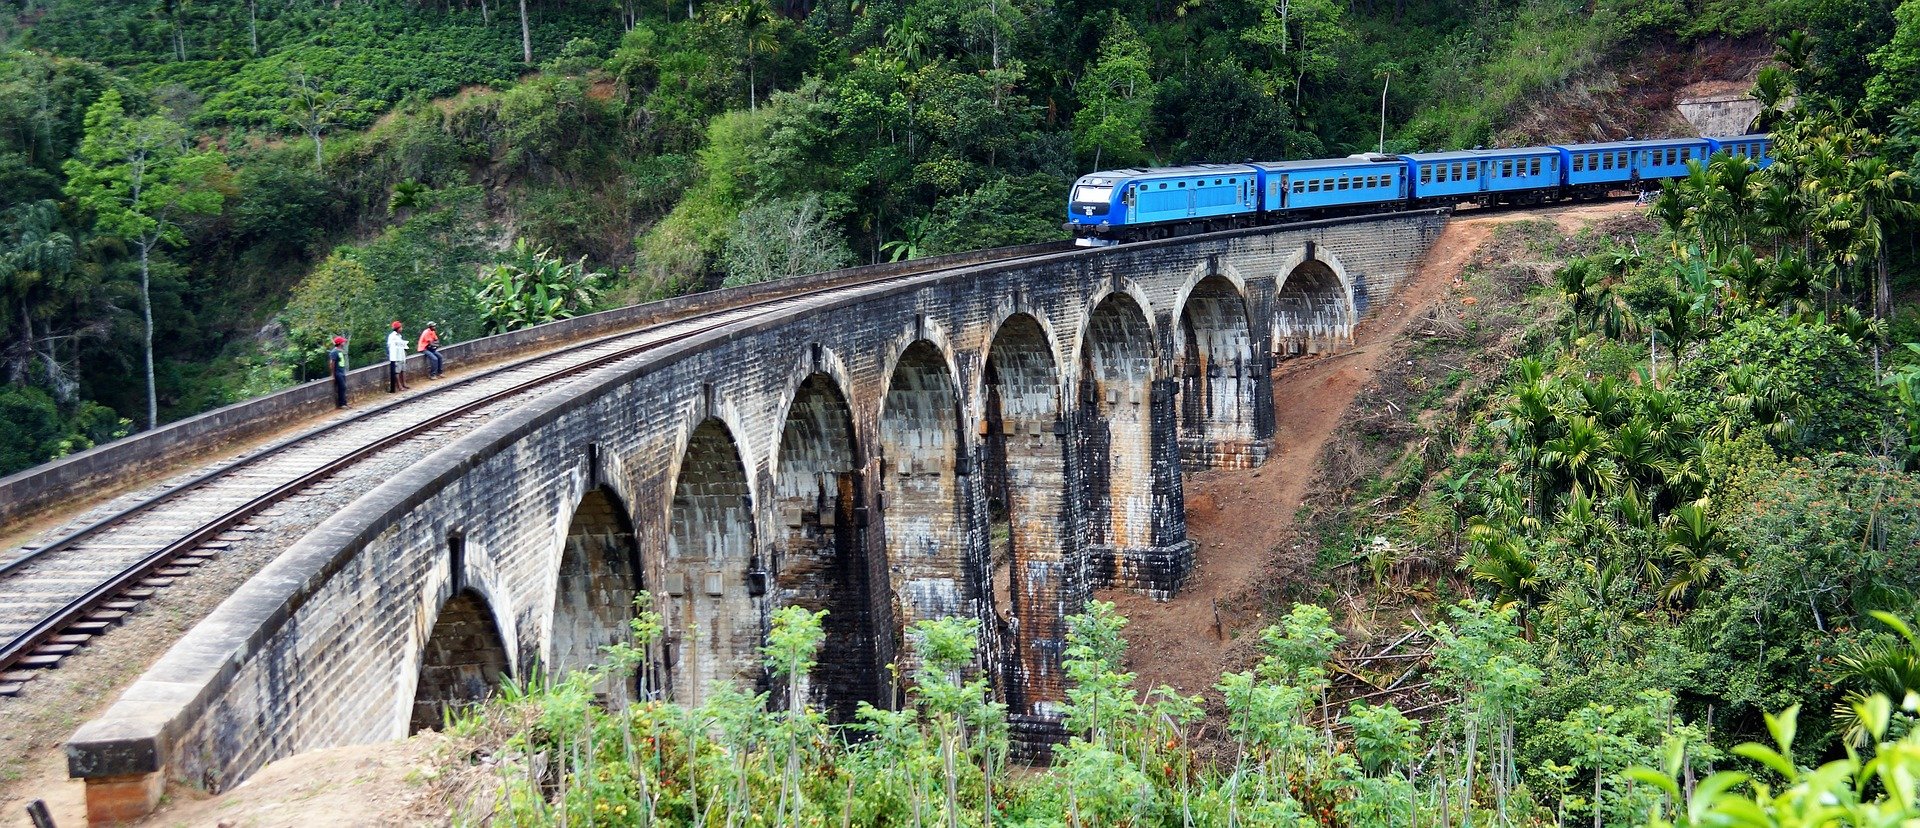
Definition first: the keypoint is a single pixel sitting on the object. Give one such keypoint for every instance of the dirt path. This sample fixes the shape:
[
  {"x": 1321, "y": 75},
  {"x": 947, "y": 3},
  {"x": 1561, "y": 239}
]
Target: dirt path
[{"x": 1241, "y": 522}]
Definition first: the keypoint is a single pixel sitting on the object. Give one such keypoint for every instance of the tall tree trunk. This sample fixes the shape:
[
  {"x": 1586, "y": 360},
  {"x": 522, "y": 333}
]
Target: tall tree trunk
[
  {"x": 146, "y": 316},
  {"x": 486, "y": 19},
  {"x": 753, "y": 101},
  {"x": 1383, "y": 113},
  {"x": 253, "y": 26},
  {"x": 526, "y": 36},
  {"x": 1285, "y": 7},
  {"x": 17, "y": 367}
]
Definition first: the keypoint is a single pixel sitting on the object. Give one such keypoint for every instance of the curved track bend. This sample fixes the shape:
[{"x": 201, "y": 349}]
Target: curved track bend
[{"x": 57, "y": 594}]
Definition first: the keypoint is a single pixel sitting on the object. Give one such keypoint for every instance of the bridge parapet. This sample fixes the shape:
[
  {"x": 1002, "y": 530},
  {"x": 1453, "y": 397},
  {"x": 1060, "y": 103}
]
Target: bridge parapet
[{"x": 853, "y": 453}]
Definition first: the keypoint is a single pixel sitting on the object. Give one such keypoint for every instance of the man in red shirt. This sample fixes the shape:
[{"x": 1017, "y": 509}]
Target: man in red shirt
[{"x": 430, "y": 345}]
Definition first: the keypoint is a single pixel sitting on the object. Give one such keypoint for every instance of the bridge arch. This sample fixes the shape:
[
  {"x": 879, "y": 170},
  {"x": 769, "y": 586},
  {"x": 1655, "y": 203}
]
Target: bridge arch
[
  {"x": 1313, "y": 306},
  {"x": 598, "y": 576},
  {"x": 1036, "y": 586},
  {"x": 819, "y": 560},
  {"x": 714, "y": 602},
  {"x": 920, "y": 460},
  {"x": 1116, "y": 429},
  {"x": 1221, "y": 377},
  {"x": 462, "y": 661}
]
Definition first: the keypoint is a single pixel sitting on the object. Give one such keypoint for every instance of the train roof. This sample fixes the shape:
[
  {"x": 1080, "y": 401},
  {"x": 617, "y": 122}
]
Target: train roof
[
  {"x": 1156, "y": 172},
  {"x": 1630, "y": 145},
  {"x": 1348, "y": 162},
  {"x": 1463, "y": 155}
]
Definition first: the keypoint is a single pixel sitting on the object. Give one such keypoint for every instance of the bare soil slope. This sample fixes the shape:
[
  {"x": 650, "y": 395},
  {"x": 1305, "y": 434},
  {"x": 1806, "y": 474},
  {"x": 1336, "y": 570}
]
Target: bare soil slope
[{"x": 1243, "y": 523}]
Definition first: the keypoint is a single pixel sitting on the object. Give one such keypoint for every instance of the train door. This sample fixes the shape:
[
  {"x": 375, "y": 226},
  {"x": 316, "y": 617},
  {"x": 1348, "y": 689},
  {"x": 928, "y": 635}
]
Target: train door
[
  {"x": 1286, "y": 191},
  {"x": 1127, "y": 198},
  {"x": 1486, "y": 174},
  {"x": 1193, "y": 199}
]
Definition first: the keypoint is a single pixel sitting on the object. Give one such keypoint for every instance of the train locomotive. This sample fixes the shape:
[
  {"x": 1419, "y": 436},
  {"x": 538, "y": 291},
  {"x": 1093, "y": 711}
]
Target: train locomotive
[{"x": 1115, "y": 206}]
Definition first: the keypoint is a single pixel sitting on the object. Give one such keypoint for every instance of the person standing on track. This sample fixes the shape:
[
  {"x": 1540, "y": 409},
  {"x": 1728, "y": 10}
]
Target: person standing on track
[
  {"x": 337, "y": 365},
  {"x": 430, "y": 347},
  {"x": 396, "y": 360}
]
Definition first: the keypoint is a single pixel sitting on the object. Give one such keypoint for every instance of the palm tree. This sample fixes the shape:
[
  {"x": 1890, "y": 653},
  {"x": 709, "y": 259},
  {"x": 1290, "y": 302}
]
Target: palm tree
[
  {"x": 1795, "y": 47},
  {"x": 1883, "y": 193},
  {"x": 1605, "y": 402},
  {"x": 1771, "y": 88},
  {"x": 1581, "y": 456},
  {"x": 1503, "y": 562},
  {"x": 1691, "y": 544},
  {"x": 1889, "y": 668},
  {"x": 757, "y": 36}
]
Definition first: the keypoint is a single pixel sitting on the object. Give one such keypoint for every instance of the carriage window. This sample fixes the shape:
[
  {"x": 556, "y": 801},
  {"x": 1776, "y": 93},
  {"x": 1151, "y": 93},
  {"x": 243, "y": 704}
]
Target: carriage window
[
  {"x": 1426, "y": 175},
  {"x": 1163, "y": 185},
  {"x": 1506, "y": 168},
  {"x": 1299, "y": 186},
  {"x": 1606, "y": 161},
  {"x": 1180, "y": 184},
  {"x": 1534, "y": 168},
  {"x": 1579, "y": 163},
  {"x": 1473, "y": 170},
  {"x": 1313, "y": 186},
  {"x": 1216, "y": 182}
]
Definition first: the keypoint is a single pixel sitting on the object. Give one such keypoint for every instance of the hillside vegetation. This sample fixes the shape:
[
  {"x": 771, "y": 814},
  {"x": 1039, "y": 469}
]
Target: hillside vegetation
[{"x": 344, "y": 161}]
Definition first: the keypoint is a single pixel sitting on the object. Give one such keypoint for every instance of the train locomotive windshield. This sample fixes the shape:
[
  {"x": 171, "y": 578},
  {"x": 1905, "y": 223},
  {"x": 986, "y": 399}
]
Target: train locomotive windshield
[{"x": 1090, "y": 195}]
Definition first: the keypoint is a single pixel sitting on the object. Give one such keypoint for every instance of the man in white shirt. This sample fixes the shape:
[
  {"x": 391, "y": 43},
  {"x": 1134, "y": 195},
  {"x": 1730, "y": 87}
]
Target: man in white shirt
[{"x": 396, "y": 360}]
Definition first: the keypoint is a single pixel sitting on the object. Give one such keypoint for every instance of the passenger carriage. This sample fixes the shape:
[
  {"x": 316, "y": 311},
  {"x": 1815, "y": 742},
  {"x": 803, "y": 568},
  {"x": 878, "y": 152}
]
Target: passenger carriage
[
  {"x": 1755, "y": 148},
  {"x": 1332, "y": 187},
  {"x": 1593, "y": 170}
]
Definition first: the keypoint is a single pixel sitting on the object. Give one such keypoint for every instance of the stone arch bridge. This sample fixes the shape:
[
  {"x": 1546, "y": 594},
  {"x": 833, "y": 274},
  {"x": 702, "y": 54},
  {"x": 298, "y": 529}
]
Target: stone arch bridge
[{"x": 993, "y": 442}]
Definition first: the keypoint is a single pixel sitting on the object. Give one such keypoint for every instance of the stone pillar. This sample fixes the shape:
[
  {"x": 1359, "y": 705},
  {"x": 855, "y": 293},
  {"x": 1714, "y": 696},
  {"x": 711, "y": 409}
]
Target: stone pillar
[{"x": 1160, "y": 565}]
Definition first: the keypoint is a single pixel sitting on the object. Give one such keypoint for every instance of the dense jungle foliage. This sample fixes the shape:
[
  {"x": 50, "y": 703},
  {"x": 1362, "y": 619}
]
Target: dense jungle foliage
[{"x": 362, "y": 157}]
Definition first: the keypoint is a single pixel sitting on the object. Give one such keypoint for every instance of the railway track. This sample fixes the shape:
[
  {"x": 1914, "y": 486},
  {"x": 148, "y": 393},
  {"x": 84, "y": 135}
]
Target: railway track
[{"x": 57, "y": 595}]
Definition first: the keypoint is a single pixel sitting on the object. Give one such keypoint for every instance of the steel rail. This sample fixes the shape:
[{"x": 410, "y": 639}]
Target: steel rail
[{"x": 24, "y": 643}]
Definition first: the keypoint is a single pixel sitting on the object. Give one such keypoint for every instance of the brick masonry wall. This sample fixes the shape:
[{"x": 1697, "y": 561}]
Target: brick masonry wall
[{"x": 324, "y": 647}]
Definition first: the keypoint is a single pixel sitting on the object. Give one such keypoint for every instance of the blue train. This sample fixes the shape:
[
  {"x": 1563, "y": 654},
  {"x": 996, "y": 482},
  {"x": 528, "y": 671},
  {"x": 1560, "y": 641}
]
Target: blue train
[{"x": 1132, "y": 204}]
